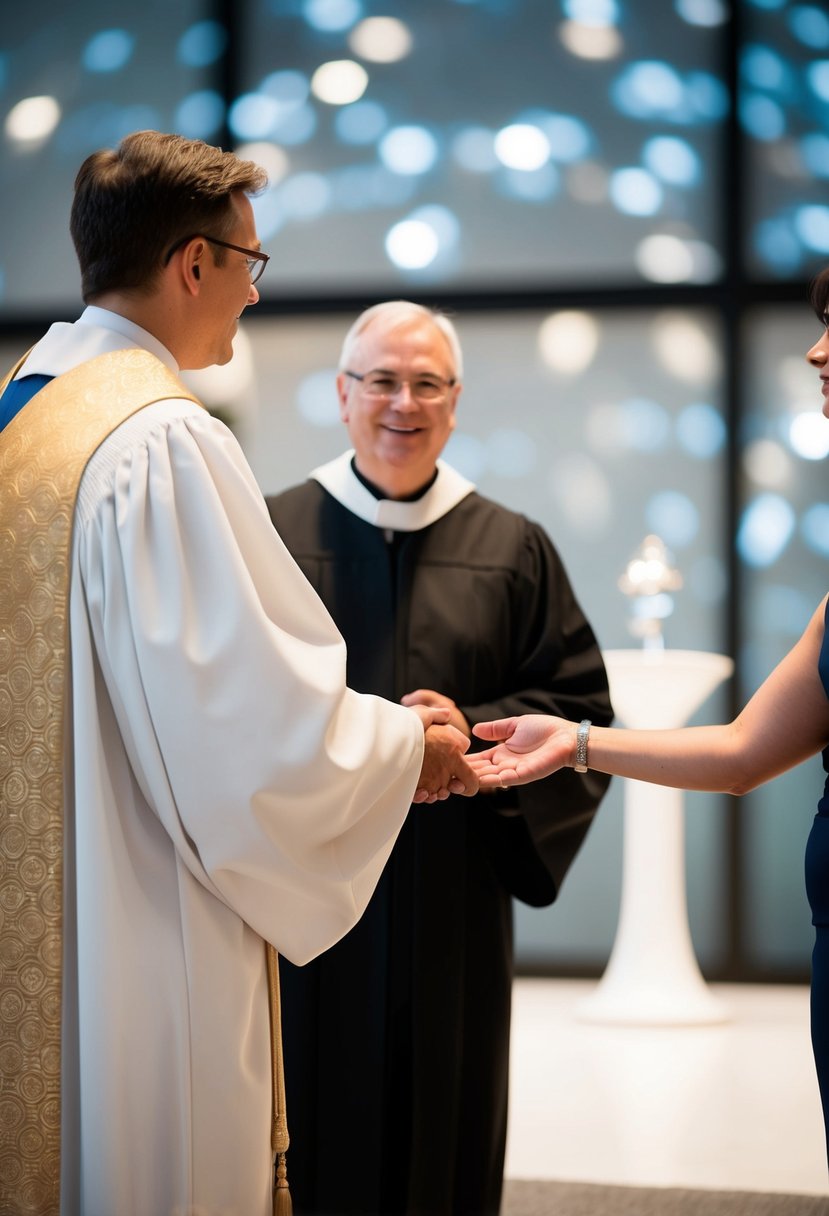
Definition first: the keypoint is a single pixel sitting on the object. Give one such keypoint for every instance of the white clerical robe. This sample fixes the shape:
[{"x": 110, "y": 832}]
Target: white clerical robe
[{"x": 223, "y": 786}]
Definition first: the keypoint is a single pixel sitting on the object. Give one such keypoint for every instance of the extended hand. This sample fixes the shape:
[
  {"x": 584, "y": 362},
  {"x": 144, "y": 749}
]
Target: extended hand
[
  {"x": 444, "y": 770},
  {"x": 526, "y": 748},
  {"x": 436, "y": 700}
]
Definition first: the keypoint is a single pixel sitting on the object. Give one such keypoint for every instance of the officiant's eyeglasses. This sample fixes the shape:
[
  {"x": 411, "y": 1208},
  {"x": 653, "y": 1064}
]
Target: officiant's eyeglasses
[
  {"x": 383, "y": 386},
  {"x": 256, "y": 260}
]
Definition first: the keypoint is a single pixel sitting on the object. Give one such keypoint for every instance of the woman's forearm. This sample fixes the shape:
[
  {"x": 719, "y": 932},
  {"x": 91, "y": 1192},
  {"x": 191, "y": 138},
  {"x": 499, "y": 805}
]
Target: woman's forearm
[{"x": 692, "y": 758}]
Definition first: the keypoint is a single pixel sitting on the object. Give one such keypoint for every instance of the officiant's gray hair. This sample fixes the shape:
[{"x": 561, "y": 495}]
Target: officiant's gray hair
[{"x": 401, "y": 312}]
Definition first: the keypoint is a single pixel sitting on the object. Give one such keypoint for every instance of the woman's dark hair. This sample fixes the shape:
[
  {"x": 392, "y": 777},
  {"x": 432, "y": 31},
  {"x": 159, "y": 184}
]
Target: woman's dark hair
[
  {"x": 132, "y": 204},
  {"x": 819, "y": 295}
]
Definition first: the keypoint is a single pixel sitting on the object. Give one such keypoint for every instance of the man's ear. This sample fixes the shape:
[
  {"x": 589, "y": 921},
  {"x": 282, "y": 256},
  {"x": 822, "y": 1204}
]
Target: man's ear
[
  {"x": 190, "y": 268},
  {"x": 343, "y": 386},
  {"x": 453, "y": 402}
]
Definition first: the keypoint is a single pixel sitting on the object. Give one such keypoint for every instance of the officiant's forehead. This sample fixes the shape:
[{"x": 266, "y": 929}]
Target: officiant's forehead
[{"x": 418, "y": 335}]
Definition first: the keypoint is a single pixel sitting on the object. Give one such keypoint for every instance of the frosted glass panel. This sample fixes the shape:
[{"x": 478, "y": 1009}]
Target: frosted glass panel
[
  {"x": 75, "y": 78},
  {"x": 485, "y": 144},
  {"x": 784, "y": 119}
]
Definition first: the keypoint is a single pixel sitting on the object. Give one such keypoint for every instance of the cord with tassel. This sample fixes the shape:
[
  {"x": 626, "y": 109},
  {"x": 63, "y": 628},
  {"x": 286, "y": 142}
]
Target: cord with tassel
[{"x": 280, "y": 1139}]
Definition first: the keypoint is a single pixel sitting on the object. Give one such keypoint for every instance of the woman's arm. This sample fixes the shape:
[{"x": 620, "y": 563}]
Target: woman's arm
[{"x": 785, "y": 721}]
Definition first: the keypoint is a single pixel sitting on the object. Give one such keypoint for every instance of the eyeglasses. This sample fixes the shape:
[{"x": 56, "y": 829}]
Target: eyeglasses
[
  {"x": 383, "y": 386},
  {"x": 256, "y": 260}
]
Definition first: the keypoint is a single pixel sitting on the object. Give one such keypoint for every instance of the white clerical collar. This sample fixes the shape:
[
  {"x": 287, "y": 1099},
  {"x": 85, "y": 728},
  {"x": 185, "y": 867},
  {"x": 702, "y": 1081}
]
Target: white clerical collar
[
  {"x": 104, "y": 318},
  {"x": 96, "y": 332},
  {"x": 445, "y": 492}
]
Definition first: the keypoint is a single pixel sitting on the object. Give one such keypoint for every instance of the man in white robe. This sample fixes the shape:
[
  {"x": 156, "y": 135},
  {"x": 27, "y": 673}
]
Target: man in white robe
[{"x": 222, "y": 785}]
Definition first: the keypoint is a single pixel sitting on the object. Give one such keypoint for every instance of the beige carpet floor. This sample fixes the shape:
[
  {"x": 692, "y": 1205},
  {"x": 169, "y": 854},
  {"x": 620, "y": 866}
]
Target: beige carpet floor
[{"x": 586, "y": 1199}]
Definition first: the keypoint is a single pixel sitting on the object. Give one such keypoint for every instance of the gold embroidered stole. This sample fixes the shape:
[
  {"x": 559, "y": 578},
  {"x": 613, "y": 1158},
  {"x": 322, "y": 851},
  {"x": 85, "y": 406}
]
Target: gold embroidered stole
[{"x": 43, "y": 453}]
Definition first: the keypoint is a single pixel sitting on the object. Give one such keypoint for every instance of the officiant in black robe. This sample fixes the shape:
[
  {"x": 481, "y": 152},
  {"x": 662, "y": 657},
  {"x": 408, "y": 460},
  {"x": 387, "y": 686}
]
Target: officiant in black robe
[{"x": 397, "y": 1039}]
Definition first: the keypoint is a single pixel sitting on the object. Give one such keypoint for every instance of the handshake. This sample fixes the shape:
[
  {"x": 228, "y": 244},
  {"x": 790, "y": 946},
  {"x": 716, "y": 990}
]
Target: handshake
[
  {"x": 525, "y": 749},
  {"x": 444, "y": 770}
]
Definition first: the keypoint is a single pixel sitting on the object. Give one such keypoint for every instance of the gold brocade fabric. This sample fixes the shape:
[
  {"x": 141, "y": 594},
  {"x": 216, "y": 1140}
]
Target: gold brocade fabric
[{"x": 43, "y": 453}]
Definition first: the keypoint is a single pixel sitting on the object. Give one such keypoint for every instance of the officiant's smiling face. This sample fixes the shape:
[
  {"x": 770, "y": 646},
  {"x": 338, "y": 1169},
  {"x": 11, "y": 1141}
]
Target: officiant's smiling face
[{"x": 398, "y": 399}]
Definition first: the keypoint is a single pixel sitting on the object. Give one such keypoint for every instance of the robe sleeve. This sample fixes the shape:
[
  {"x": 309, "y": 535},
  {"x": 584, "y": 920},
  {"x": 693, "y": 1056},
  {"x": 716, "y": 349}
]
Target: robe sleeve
[
  {"x": 281, "y": 789},
  {"x": 556, "y": 668}
]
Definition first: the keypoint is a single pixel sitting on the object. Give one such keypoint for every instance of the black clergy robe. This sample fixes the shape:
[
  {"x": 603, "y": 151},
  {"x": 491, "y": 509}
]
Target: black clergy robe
[{"x": 397, "y": 1038}]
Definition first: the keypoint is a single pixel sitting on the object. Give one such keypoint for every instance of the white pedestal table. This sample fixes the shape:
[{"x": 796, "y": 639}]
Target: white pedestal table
[{"x": 652, "y": 977}]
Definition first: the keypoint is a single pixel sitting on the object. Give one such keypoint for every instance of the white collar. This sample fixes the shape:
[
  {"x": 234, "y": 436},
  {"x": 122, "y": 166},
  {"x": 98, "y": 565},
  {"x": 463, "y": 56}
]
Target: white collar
[
  {"x": 445, "y": 492},
  {"x": 103, "y": 317},
  {"x": 96, "y": 332}
]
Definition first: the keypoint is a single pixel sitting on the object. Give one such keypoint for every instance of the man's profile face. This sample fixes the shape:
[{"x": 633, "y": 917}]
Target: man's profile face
[
  {"x": 227, "y": 288},
  {"x": 398, "y": 424}
]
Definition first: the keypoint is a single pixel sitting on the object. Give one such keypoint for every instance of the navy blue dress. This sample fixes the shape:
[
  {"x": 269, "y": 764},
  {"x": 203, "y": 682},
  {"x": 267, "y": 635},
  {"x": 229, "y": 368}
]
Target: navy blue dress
[{"x": 817, "y": 891}]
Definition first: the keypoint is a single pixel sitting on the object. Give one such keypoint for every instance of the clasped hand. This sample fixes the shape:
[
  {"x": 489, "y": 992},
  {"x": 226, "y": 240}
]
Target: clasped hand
[
  {"x": 525, "y": 749},
  {"x": 444, "y": 770}
]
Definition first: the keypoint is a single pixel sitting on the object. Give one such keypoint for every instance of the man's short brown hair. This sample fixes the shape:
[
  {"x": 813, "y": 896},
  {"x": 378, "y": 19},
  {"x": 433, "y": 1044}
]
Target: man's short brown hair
[{"x": 132, "y": 204}]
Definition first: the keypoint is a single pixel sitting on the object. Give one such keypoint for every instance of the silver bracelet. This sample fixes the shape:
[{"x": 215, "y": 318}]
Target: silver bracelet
[{"x": 582, "y": 735}]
